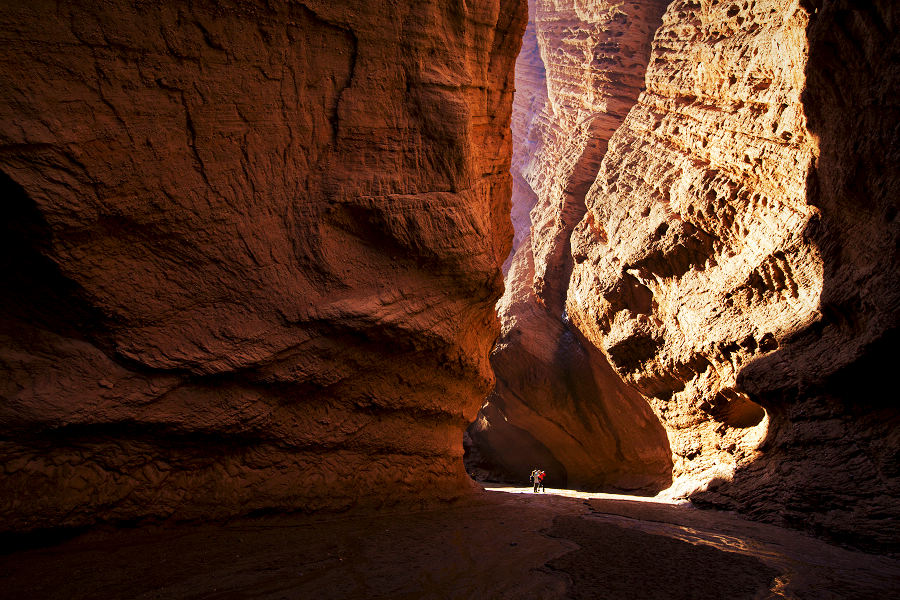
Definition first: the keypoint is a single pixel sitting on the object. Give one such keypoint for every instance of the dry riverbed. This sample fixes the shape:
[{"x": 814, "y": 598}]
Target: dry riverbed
[{"x": 504, "y": 543}]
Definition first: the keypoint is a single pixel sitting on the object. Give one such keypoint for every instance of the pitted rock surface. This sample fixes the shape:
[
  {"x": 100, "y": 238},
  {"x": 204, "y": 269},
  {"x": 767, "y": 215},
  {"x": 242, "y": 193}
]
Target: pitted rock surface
[{"x": 738, "y": 259}]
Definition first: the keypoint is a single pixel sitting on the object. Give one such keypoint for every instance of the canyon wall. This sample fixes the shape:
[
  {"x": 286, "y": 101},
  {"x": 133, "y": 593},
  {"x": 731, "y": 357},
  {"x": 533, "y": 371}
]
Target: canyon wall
[
  {"x": 557, "y": 404},
  {"x": 738, "y": 259},
  {"x": 726, "y": 254},
  {"x": 251, "y": 252}
]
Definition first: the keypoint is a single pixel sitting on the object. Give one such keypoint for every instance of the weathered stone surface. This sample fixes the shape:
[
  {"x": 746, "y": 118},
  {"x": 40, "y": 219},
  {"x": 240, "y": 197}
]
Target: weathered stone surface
[
  {"x": 250, "y": 252},
  {"x": 551, "y": 388},
  {"x": 595, "y": 53},
  {"x": 738, "y": 260},
  {"x": 527, "y": 130}
]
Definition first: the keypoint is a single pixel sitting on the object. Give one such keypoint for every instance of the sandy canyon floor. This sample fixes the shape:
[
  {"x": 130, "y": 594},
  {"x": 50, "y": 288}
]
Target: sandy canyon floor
[{"x": 504, "y": 543}]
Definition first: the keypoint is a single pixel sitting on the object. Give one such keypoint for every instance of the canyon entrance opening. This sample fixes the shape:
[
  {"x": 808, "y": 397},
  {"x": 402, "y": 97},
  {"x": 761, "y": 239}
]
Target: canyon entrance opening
[{"x": 557, "y": 403}]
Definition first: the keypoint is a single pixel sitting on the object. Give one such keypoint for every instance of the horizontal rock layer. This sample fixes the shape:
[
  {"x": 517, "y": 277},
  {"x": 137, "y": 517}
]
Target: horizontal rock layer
[{"x": 250, "y": 254}]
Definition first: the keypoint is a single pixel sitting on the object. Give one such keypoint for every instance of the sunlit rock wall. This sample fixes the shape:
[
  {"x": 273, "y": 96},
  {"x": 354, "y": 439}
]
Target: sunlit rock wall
[
  {"x": 738, "y": 259},
  {"x": 251, "y": 252},
  {"x": 557, "y": 404},
  {"x": 595, "y": 53}
]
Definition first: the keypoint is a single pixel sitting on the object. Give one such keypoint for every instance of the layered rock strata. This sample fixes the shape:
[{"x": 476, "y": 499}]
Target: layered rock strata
[
  {"x": 529, "y": 104},
  {"x": 557, "y": 403},
  {"x": 595, "y": 54},
  {"x": 251, "y": 252},
  {"x": 738, "y": 259}
]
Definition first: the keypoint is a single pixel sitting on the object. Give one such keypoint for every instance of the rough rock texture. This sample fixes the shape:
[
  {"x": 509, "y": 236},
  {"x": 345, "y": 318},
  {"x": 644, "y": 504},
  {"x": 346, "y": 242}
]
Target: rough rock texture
[
  {"x": 576, "y": 78},
  {"x": 596, "y": 54},
  {"x": 738, "y": 261},
  {"x": 250, "y": 252},
  {"x": 587, "y": 429},
  {"x": 528, "y": 106}
]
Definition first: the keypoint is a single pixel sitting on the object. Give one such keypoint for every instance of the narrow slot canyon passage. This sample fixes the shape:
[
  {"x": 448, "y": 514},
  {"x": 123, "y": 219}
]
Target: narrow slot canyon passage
[
  {"x": 557, "y": 404},
  {"x": 296, "y": 295},
  {"x": 677, "y": 266}
]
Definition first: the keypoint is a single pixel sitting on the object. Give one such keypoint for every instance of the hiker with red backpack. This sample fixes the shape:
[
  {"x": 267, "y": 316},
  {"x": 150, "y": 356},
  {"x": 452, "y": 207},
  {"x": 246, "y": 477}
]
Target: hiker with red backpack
[{"x": 537, "y": 480}]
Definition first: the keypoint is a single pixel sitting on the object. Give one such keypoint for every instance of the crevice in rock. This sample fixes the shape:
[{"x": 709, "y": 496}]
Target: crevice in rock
[{"x": 550, "y": 384}]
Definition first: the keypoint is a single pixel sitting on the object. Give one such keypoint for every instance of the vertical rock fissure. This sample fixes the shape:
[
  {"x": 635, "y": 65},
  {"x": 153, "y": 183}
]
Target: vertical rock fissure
[{"x": 557, "y": 402}]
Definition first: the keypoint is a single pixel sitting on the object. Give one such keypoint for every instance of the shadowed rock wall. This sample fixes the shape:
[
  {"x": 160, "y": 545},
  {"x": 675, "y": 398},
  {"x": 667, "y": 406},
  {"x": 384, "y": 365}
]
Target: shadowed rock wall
[
  {"x": 834, "y": 439},
  {"x": 250, "y": 252}
]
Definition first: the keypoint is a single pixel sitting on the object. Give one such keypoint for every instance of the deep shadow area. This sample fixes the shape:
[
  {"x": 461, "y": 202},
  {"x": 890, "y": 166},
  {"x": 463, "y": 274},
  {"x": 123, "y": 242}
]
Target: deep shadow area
[
  {"x": 558, "y": 406},
  {"x": 834, "y": 434},
  {"x": 506, "y": 453},
  {"x": 33, "y": 290},
  {"x": 604, "y": 566},
  {"x": 491, "y": 545}
]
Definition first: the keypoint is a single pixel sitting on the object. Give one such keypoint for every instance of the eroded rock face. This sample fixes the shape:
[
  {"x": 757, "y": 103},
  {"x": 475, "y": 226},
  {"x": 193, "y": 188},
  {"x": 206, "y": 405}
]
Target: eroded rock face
[
  {"x": 598, "y": 432},
  {"x": 738, "y": 259},
  {"x": 576, "y": 78},
  {"x": 529, "y": 104},
  {"x": 251, "y": 252},
  {"x": 691, "y": 257},
  {"x": 595, "y": 53}
]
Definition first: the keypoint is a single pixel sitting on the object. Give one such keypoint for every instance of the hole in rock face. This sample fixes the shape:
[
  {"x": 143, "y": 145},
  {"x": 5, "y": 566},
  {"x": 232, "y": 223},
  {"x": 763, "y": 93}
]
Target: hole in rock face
[
  {"x": 661, "y": 230},
  {"x": 736, "y": 410}
]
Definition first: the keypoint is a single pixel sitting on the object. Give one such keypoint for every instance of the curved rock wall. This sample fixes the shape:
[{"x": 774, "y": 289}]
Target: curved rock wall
[
  {"x": 557, "y": 404},
  {"x": 738, "y": 259},
  {"x": 834, "y": 439},
  {"x": 251, "y": 252}
]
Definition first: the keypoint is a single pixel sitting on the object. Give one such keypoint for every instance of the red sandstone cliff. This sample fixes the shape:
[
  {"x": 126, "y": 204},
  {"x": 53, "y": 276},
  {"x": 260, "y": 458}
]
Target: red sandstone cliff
[
  {"x": 735, "y": 259},
  {"x": 250, "y": 253},
  {"x": 738, "y": 260}
]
